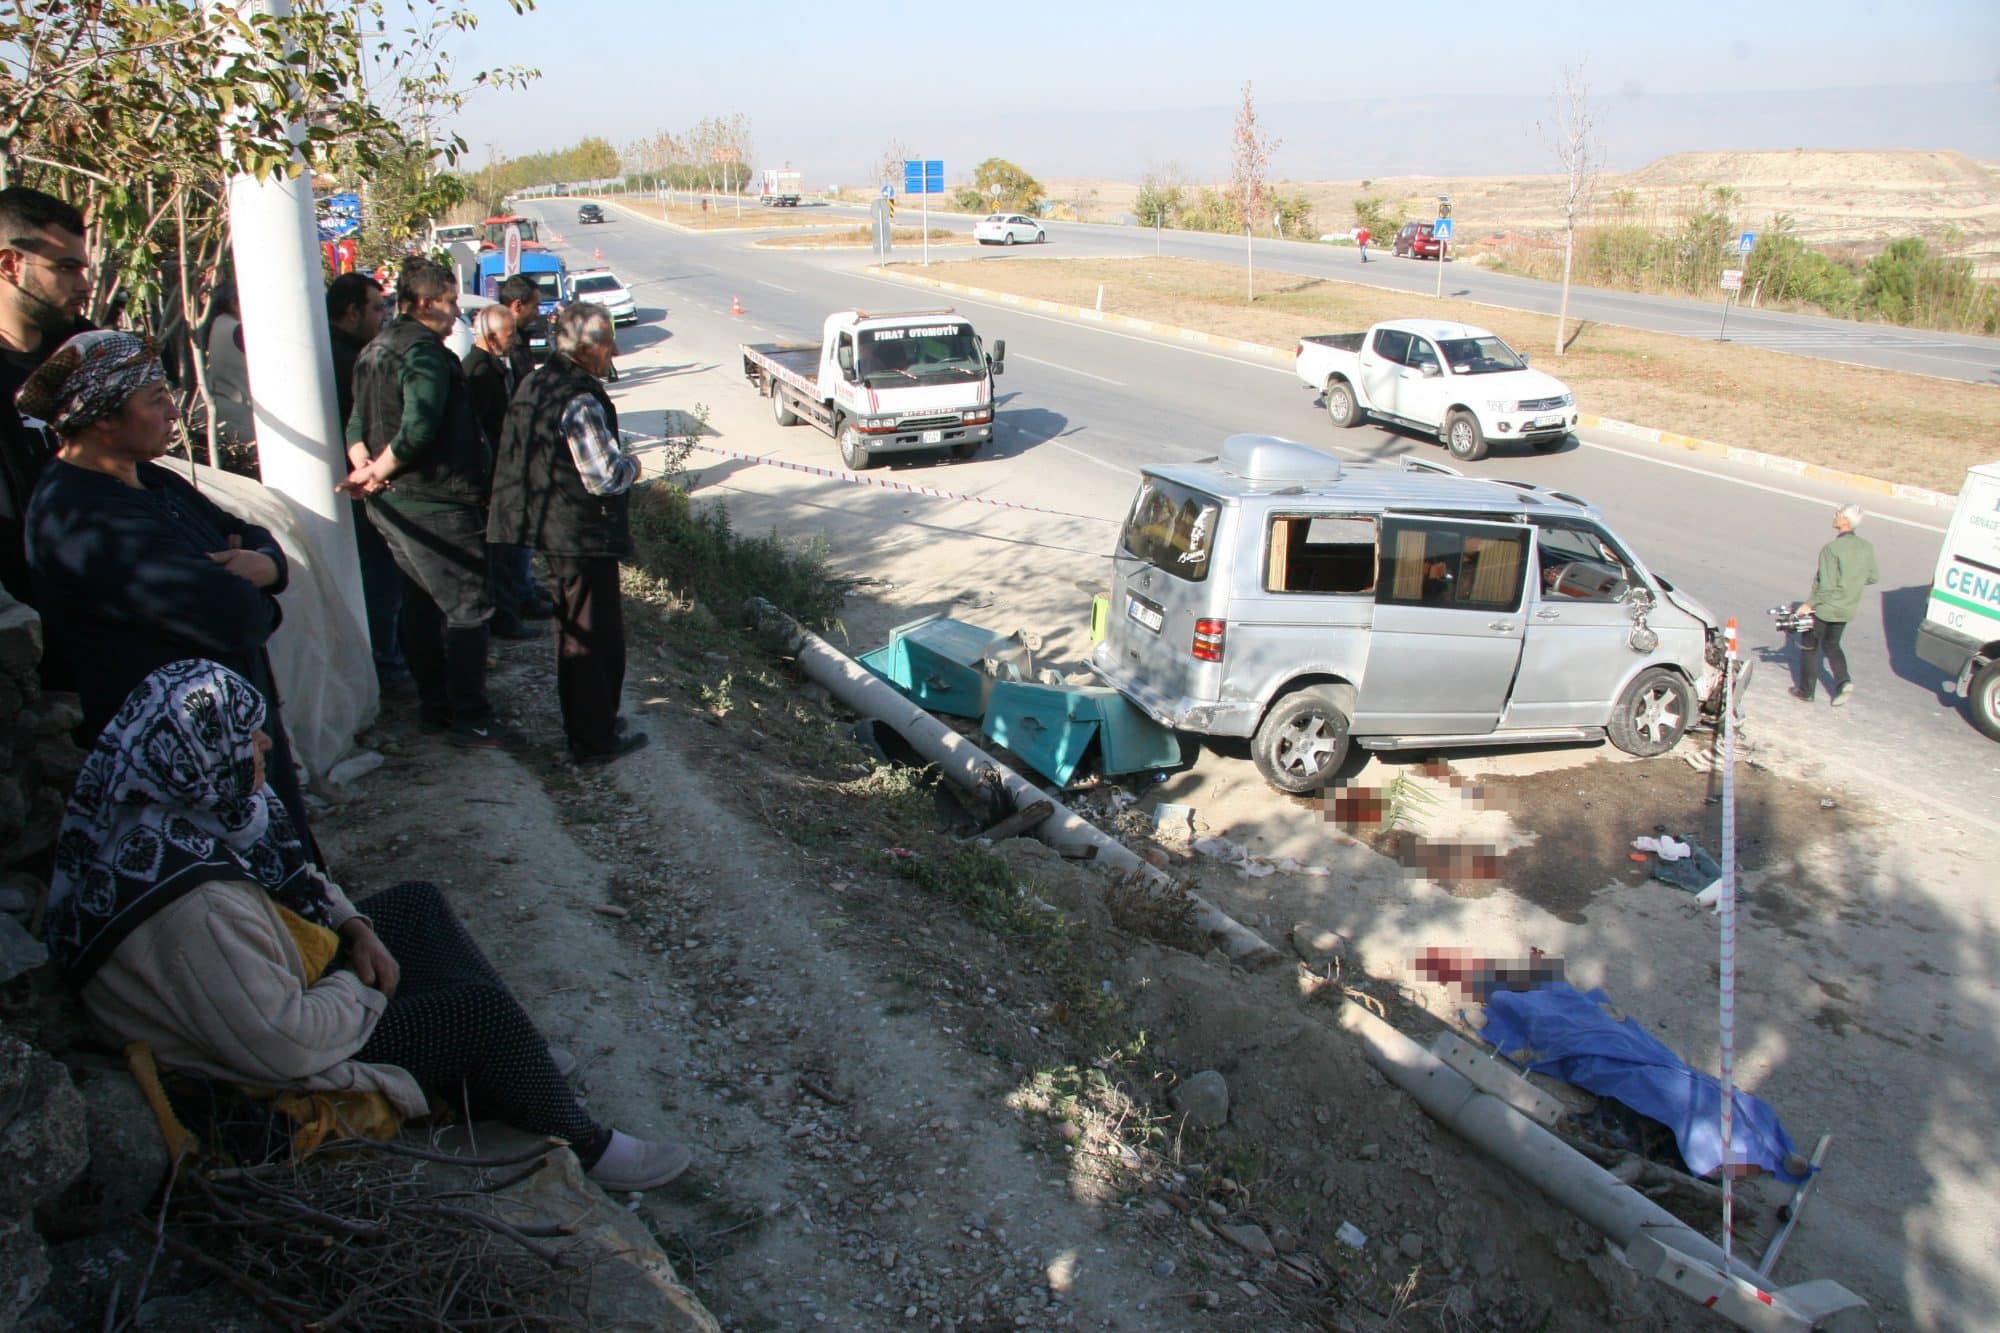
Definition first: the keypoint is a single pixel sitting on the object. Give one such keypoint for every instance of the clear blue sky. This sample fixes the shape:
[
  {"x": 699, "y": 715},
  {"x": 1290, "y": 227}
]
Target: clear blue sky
[{"x": 838, "y": 81}]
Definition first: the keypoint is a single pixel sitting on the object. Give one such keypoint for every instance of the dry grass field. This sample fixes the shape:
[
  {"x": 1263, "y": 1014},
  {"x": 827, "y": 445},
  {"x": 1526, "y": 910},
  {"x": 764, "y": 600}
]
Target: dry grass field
[
  {"x": 1905, "y": 428},
  {"x": 1833, "y": 199}
]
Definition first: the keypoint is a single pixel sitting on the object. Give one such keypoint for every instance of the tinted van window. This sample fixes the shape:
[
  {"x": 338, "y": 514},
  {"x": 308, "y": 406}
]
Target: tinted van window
[
  {"x": 1172, "y": 529},
  {"x": 1454, "y": 565}
]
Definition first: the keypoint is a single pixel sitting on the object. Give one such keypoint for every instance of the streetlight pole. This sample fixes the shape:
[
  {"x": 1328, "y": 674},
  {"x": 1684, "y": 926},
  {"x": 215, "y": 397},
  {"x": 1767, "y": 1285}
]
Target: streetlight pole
[{"x": 274, "y": 242}]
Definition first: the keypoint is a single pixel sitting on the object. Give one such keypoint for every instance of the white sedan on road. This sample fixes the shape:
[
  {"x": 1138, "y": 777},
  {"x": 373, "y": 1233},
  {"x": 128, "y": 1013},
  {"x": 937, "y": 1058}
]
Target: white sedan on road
[
  {"x": 601, "y": 286},
  {"x": 1007, "y": 229}
]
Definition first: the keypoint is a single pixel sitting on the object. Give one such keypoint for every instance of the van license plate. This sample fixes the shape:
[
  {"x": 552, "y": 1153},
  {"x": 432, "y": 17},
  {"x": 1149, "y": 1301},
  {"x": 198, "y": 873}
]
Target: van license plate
[
  {"x": 933, "y": 437},
  {"x": 1152, "y": 617}
]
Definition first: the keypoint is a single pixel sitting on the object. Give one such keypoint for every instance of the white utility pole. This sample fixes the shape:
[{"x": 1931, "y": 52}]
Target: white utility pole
[{"x": 274, "y": 240}]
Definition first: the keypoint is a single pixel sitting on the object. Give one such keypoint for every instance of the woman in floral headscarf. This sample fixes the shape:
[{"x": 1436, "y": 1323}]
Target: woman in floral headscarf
[
  {"x": 133, "y": 567},
  {"x": 187, "y": 914}
]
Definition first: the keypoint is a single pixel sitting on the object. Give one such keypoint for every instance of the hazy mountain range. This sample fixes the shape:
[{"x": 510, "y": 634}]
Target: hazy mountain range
[{"x": 1421, "y": 133}]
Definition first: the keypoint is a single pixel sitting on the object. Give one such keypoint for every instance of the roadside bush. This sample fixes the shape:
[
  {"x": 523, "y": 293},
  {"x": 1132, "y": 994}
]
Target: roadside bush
[
  {"x": 699, "y": 554},
  {"x": 1294, "y": 212},
  {"x": 1374, "y": 213}
]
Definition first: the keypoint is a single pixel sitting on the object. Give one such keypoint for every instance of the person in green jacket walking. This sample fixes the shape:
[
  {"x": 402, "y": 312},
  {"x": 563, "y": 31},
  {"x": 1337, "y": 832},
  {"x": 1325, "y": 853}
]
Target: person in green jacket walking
[{"x": 1846, "y": 566}]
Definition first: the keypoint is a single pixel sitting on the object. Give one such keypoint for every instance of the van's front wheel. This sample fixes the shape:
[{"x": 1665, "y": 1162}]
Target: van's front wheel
[
  {"x": 1301, "y": 741},
  {"x": 1652, "y": 714}
]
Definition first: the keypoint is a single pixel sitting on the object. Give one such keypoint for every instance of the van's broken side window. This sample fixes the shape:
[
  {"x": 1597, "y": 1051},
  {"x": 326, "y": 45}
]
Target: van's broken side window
[
  {"x": 1172, "y": 528},
  {"x": 1321, "y": 553}
]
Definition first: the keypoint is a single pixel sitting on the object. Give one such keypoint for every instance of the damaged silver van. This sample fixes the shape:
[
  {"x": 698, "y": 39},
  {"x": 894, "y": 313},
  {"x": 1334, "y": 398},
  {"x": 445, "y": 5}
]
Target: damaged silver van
[{"x": 1279, "y": 594}]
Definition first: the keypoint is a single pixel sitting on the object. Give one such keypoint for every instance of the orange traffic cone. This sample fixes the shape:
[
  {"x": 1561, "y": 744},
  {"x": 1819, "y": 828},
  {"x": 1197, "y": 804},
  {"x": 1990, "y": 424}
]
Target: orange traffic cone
[
  {"x": 735, "y": 305},
  {"x": 598, "y": 254}
]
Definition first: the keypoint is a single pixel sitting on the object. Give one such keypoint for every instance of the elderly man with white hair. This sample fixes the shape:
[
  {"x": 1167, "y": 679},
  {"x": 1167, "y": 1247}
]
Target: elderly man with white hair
[
  {"x": 561, "y": 486},
  {"x": 1846, "y": 567}
]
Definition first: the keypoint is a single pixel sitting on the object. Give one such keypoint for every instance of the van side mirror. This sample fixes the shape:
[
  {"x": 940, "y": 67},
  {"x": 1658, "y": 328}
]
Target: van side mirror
[
  {"x": 843, "y": 356},
  {"x": 1523, "y": 356},
  {"x": 998, "y": 359},
  {"x": 1430, "y": 370}
]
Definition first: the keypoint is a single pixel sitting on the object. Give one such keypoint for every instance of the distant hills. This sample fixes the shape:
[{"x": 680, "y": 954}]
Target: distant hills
[{"x": 1415, "y": 134}]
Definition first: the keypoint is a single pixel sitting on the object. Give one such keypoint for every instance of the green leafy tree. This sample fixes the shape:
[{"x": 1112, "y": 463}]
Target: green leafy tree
[
  {"x": 1162, "y": 196},
  {"x": 1003, "y": 187},
  {"x": 141, "y": 111}
]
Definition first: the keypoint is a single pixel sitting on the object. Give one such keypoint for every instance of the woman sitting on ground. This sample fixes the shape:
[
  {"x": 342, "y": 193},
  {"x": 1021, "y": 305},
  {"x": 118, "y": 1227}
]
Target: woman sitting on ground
[
  {"x": 133, "y": 567},
  {"x": 186, "y": 911}
]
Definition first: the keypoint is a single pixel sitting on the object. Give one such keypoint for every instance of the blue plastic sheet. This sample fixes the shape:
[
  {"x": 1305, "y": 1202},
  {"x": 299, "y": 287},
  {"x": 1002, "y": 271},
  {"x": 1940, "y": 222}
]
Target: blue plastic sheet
[{"x": 1554, "y": 1030}]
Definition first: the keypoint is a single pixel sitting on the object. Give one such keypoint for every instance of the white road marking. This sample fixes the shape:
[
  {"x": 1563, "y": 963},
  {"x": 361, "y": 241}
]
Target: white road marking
[
  {"x": 1057, "y": 365},
  {"x": 776, "y": 287},
  {"x": 1119, "y": 468},
  {"x": 1753, "y": 485}
]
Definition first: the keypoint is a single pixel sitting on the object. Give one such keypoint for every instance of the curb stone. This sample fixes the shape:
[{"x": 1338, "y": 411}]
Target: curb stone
[{"x": 1889, "y": 490}]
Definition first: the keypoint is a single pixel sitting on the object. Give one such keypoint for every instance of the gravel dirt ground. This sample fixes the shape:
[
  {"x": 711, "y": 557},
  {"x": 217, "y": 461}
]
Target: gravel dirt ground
[{"x": 931, "y": 1091}]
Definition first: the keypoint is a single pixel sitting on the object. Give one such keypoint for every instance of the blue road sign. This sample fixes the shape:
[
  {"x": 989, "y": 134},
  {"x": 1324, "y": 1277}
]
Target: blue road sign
[
  {"x": 888, "y": 192},
  {"x": 1746, "y": 242},
  {"x": 923, "y": 176},
  {"x": 1441, "y": 228}
]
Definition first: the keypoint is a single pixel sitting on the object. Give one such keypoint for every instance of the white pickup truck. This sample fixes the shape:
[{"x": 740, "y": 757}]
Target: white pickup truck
[
  {"x": 1458, "y": 382},
  {"x": 884, "y": 383}
]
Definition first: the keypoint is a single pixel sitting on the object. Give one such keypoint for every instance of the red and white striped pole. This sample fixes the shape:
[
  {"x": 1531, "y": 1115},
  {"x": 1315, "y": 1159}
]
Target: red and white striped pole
[{"x": 1728, "y": 907}]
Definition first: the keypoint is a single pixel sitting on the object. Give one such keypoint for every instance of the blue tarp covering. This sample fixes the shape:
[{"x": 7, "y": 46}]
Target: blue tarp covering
[{"x": 1566, "y": 1035}]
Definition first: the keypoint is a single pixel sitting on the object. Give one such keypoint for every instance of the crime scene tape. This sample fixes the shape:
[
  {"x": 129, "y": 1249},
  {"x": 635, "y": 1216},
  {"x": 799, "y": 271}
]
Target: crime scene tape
[{"x": 835, "y": 474}]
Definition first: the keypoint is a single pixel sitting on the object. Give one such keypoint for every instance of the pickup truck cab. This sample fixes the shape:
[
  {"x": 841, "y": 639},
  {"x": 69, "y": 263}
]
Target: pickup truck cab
[
  {"x": 1960, "y": 632},
  {"x": 1456, "y": 381},
  {"x": 1309, "y": 604},
  {"x": 884, "y": 383}
]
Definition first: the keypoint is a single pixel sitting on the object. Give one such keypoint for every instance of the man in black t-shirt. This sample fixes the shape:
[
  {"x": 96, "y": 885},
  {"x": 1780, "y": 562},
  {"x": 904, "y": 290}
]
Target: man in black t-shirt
[{"x": 44, "y": 288}]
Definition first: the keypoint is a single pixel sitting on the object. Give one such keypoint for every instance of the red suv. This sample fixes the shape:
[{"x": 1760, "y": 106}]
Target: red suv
[{"x": 1415, "y": 240}]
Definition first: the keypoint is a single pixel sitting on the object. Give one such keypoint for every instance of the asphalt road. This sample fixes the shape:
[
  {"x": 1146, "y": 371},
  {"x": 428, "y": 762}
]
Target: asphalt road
[
  {"x": 1953, "y": 356},
  {"x": 1086, "y": 406}
]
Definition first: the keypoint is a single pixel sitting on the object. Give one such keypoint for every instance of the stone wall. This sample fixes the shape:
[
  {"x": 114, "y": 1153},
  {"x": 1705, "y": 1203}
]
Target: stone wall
[{"x": 43, "y": 1131}]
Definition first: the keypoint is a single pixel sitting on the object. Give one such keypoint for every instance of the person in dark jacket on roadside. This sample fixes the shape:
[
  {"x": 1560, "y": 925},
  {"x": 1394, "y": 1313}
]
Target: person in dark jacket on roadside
[
  {"x": 524, "y": 302},
  {"x": 133, "y": 567},
  {"x": 490, "y": 375},
  {"x": 45, "y": 287},
  {"x": 562, "y": 486},
  {"x": 353, "y": 318},
  {"x": 423, "y": 465}
]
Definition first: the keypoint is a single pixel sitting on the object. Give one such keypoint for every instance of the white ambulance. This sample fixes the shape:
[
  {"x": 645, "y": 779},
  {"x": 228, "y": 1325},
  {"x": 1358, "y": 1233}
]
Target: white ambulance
[{"x": 1961, "y": 629}]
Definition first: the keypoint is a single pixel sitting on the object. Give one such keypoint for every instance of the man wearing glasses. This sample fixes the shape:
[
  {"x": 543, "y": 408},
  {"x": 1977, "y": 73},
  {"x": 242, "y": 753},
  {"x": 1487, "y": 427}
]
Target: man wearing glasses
[{"x": 45, "y": 285}]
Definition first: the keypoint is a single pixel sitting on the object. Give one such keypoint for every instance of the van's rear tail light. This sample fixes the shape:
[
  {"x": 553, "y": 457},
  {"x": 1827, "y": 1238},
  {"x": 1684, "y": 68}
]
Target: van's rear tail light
[
  {"x": 1208, "y": 640},
  {"x": 1300, "y": 350}
]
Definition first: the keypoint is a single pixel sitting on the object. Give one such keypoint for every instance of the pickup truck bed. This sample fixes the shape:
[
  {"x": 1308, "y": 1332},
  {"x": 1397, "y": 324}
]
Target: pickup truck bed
[{"x": 1344, "y": 342}]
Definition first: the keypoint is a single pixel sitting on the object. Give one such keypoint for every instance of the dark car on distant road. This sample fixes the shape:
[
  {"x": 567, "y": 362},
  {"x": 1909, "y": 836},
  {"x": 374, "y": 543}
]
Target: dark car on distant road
[
  {"x": 590, "y": 213},
  {"x": 1415, "y": 241}
]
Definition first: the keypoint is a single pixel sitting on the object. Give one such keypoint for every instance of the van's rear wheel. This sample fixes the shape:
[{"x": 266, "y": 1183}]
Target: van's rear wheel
[
  {"x": 1463, "y": 437},
  {"x": 1341, "y": 408},
  {"x": 781, "y": 411},
  {"x": 852, "y": 451},
  {"x": 1301, "y": 741},
  {"x": 1652, "y": 714},
  {"x": 1984, "y": 699}
]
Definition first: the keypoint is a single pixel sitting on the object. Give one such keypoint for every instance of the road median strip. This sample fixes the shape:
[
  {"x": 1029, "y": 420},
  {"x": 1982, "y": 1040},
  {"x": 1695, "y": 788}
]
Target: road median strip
[{"x": 1279, "y": 357}]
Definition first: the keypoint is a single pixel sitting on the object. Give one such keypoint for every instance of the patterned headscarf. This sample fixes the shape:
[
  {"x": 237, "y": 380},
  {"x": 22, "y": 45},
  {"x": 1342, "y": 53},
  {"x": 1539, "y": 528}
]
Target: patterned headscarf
[
  {"x": 89, "y": 378},
  {"x": 164, "y": 805}
]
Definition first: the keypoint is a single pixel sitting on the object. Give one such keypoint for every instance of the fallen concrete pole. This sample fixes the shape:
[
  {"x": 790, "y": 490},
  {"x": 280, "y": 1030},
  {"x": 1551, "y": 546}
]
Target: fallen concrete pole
[
  {"x": 1656, "y": 1242},
  {"x": 974, "y": 770}
]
